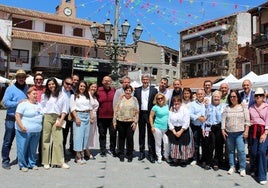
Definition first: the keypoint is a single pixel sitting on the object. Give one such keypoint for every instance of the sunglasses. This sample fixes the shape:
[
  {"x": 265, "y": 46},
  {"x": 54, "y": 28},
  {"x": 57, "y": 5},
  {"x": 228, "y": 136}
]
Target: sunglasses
[
  {"x": 160, "y": 98},
  {"x": 233, "y": 96},
  {"x": 258, "y": 95},
  {"x": 68, "y": 84},
  {"x": 38, "y": 79}
]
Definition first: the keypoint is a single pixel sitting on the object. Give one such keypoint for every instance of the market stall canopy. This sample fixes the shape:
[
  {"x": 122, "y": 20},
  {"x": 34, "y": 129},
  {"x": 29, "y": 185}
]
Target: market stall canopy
[
  {"x": 4, "y": 80},
  {"x": 228, "y": 79},
  {"x": 238, "y": 84}
]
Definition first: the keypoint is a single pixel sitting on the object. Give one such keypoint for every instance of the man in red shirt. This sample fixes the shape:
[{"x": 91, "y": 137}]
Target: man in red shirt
[{"x": 105, "y": 116}]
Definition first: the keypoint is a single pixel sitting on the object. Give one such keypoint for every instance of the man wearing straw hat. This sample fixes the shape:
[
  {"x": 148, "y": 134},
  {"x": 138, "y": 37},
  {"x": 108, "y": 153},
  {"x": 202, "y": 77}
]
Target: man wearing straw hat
[{"x": 13, "y": 96}]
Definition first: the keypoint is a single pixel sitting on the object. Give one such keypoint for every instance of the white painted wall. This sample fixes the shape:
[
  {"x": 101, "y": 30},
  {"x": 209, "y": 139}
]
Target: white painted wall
[
  {"x": 39, "y": 26},
  {"x": 243, "y": 28},
  {"x": 22, "y": 45}
]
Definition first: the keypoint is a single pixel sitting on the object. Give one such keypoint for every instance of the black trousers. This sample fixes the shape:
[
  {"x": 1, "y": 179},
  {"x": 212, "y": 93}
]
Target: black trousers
[
  {"x": 197, "y": 134},
  {"x": 125, "y": 134},
  {"x": 213, "y": 142},
  {"x": 103, "y": 125},
  {"x": 143, "y": 125}
]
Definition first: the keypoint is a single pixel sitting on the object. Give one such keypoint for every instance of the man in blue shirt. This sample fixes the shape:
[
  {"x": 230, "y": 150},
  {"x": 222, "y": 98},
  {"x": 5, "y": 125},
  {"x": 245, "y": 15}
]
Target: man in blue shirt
[
  {"x": 197, "y": 115},
  {"x": 13, "y": 96}
]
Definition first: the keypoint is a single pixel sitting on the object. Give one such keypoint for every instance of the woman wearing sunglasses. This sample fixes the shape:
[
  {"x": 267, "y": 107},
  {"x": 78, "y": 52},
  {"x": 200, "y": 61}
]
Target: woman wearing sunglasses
[
  {"x": 235, "y": 126},
  {"x": 258, "y": 136},
  {"x": 159, "y": 123}
]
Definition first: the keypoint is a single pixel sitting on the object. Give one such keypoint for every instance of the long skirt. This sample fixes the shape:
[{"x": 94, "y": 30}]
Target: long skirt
[{"x": 182, "y": 147}]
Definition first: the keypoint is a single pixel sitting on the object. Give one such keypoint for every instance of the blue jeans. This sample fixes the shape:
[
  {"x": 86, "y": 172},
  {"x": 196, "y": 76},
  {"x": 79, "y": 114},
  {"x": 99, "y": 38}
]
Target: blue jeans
[
  {"x": 7, "y": 141},
  {"x": 235, "y": 141},
  {"x": 258, "y": 155},
  {"x": 26, "y": 148},
  {"x": 81, "y": 133}
]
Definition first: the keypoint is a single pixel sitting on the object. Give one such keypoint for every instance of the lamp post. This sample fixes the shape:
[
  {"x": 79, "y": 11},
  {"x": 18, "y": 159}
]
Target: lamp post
[{"x": 116, "y": 47}]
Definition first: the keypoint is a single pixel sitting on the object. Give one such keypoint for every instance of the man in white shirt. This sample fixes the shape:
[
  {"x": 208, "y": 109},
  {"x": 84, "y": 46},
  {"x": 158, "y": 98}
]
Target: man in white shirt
[{"x": 67, "y": 91}]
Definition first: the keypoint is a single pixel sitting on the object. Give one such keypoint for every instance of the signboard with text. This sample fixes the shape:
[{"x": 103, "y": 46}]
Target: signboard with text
[{"x": 87, "y": 65}]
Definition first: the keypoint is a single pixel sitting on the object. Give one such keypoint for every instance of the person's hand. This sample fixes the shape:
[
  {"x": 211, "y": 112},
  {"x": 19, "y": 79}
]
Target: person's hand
[
  {"x": 77, "y": 121},
  {"x": 23, "y": 129},
  {"x": 153, "y": 130},
  {"x": 178, "y": 134},
  {"x": 114, "y": 124},
  {"x": 224, "y": 134},
  {"x": 263, "y": 138},
  {"x": 201, "y": 118},
  {"x": 92, "y": 119},
  {"x": 203, "y": 132},
  {"x": 245, "y": 134},
  {"x": 133, "y": 126}
]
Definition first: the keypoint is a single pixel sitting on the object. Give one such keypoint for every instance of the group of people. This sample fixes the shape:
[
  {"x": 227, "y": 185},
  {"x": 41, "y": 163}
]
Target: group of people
[{"x": 177, "y": 124}]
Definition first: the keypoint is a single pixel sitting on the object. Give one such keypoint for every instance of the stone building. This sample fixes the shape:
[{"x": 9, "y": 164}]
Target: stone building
[{"x": 211, "y": 48}]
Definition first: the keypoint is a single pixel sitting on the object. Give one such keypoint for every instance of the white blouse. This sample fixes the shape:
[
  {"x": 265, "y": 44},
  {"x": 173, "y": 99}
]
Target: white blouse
[
  {"x": 54, "y": 105},
  {"x": 80, "y": 103},
  {"x": 179, "y": 118}
]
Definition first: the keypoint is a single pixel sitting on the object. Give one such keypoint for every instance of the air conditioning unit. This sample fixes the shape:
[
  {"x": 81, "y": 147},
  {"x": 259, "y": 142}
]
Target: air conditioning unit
[{"x": 76, "y": 51}]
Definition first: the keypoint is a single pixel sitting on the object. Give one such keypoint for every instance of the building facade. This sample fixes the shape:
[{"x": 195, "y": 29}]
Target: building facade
[
  {"x": 211, "y": 49},
  {"x": 56, "y": 44},
  {"x": 157, "y": 60},
  {"x": 259, "y": 19}
]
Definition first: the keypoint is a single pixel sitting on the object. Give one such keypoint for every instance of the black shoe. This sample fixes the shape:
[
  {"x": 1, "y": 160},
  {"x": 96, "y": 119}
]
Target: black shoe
[
  {"x": 122, "y": 159},
  {"x": 114, "y": 154},
  {"x": 215, "y": 167},
  {"x": 207, "y": 167},
  {"x": 183, "y": 163},
  {"x": 129, "y": 160},
  {"x": 151, "y": 159},
  {"x": 141, "y": 157},
  {"x": 6, "y": 166},
  {"x": 103, "y": 154}
]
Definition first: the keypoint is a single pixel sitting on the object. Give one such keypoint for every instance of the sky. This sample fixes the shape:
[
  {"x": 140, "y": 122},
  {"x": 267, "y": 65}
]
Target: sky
[{"x": 161, "y": 20}]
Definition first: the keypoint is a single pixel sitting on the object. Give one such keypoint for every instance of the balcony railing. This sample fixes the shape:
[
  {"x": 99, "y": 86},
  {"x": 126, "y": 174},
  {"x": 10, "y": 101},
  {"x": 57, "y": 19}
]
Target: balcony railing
[
  {"x": 204, "y": 50},
  {"x": 260, "y": 68},
  {"x": 260, "y": 38}
]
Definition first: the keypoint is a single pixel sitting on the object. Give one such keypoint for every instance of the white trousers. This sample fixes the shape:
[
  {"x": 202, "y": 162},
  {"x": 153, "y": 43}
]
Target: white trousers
[{"x": 160, "y": 135}]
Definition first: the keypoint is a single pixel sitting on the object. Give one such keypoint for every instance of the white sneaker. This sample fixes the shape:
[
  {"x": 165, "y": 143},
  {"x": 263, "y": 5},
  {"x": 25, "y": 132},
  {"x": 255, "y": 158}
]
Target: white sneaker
[
  {"x": 35, "y": 168},
  {"x": 159, "y": 161},
  {"x": 263, "y": 182},
  {"x": 79, "y": 161},
  {"x": 231, "y": 171},
  {"x": 46, "y": 166},
  {"x": 243, "y": 173},
  {"x": 193, "y": 163},
  {"x": 83, "y": 161},
  {"x": 24, "y": 169},
  {"x": 65, "y": 166}
]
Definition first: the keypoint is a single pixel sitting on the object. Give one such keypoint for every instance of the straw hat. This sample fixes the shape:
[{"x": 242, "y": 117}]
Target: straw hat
[{"x": 20, "y": 72}]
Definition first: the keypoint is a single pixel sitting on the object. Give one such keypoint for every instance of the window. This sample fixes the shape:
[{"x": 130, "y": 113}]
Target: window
[
  {"x": 78, "y": 32},
  {"x": 19, "y": 56},
  {"x": 52, "y": 28},
  {"x": 174, "y": 60},
  {"x": 167, "y": 58},
  {"x": 22, "y": 23}
]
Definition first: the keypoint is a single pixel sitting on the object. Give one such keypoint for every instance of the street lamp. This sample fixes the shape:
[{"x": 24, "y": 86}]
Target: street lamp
[{"x": 117, "y": 46}]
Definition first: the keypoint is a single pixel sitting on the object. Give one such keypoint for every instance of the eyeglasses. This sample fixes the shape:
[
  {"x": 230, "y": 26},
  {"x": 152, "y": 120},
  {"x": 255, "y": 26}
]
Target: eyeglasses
[
  {"x": 259, "y": 95},
  {"x": 233, "y": 96},
  {"x": 68, "y": 84},
  {"x": 160, "y": 98}
]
